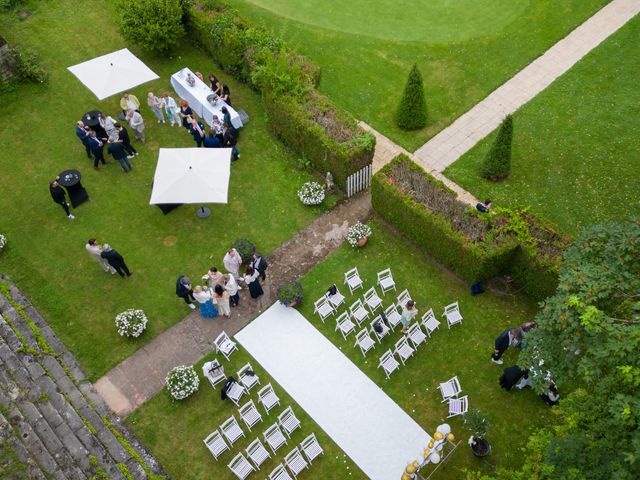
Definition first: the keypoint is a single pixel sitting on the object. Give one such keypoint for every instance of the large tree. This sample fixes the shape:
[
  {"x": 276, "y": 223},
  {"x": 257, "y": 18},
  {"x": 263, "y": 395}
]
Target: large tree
[{"x": 412, "y": 109}]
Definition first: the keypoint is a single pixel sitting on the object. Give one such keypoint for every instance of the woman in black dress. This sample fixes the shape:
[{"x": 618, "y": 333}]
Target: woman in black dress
[
  {"x": 251, "y": 279},
  {"x": 216, "y": 86},
  {"x": 226, "y": 94},
  {"x": 185, "y": 114}
]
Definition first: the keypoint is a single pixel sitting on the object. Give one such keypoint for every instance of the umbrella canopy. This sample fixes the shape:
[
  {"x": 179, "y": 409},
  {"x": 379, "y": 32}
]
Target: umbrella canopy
[
  {"x": 192, "y": 175},
  {"x": 113, "y": 73}
]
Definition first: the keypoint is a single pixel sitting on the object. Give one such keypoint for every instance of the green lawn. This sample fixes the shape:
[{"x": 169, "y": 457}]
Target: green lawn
[
  {"x": 464, "y": 49},
  {"x": 46, "y": 256},
  {"x": 175, "y": 431},
  {"x": 575, "y": 148}
]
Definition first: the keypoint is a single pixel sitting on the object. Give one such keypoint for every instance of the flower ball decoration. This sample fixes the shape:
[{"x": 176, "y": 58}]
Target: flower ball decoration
[
  {"x": 357, "y": 232},
  {"x": 3, "y": 241},
  {"x": 131, "y": 323},
  {"x": 311, "y": 193},
  {"x": 182, "y": 381}
]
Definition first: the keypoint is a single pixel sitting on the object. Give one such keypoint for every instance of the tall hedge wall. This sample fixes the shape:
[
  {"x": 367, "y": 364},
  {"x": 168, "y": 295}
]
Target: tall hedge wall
[
  {"x": 307, "y": 122},
  {"x": 497, "y": 254}
]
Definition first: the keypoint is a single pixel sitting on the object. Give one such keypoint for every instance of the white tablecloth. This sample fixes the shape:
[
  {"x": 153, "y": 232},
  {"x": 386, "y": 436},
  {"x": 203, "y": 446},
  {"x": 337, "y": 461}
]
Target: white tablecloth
[{"x": 197, "y": 98}]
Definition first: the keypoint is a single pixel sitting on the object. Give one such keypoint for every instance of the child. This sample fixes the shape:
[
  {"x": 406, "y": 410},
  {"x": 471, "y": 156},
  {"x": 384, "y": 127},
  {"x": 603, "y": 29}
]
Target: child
[{"x": 409, "y": 311}]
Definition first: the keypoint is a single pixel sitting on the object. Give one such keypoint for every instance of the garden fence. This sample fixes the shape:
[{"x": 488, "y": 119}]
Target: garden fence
[{"x": 359, "y": 181}]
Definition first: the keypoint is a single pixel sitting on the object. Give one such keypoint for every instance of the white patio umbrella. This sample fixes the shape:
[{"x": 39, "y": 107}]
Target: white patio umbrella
[
  {"x": 113, "y": 73},
  {"x": 192, "y": 175}
]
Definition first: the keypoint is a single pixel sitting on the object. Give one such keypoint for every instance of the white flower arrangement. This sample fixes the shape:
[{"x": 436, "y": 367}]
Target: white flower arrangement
[
  {"x": 182, "y": 381},
  {"x": 131, "y": 323},
  {"x": 311, "y": 193},
  {"x": 3, "y": 241},
  {"x": 356, "y": 232}
]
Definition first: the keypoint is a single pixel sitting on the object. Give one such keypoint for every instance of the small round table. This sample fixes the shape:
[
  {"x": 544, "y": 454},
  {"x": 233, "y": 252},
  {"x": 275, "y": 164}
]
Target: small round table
[
  {"x": 70, "y": 180},
  {"x": 91, "y": 120}
]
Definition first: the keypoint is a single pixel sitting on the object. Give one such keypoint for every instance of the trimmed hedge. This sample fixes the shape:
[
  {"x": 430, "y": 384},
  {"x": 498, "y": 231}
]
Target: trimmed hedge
[
  {"x": 307, "y": 122},
  {"x": 499, "y": 252}
]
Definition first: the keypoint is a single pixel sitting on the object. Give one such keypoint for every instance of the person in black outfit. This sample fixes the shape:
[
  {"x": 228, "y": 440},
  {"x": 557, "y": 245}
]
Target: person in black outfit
[
  {"x": 59, "y": 196},
  {"x": 184, "y": 291},
  {"x": 229, "y": 140},
  {"x": 510, "y": 377},
  {"x": 123, "y": 135},
  {"x": 117, "y": 150},
  {"x": 484, "y": 207},
  {"x": 115, "y": 260},
  {"x": 260, "y": 264},
  {"x": 97, "y": 148},
  {"x": 212, "y": 141},
  {"x": 226, "y": 94},
  {"x": 511, "y": 336},
  {"x": 83, "y": 135}
]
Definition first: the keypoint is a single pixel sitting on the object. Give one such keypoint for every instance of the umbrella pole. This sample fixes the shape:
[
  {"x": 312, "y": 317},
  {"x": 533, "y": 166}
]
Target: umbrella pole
[{"x": 203, "y": 212}]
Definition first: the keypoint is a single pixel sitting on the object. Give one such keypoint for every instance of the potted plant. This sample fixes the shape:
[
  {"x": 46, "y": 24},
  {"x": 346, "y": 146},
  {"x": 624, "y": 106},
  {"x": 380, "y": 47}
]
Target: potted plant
[
  {"x": 358, "y": 234},
  {"x": 477, "y": 424},
  {"x": 290, "y": 294},
  {"x": 311, "y": 193}
]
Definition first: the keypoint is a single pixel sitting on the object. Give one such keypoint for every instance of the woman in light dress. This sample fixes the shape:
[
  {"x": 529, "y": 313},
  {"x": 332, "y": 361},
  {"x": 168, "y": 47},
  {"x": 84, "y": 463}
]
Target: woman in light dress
[
  {"x": 221, "y": 297},
  {"x": 204, "y": 298},
  {"x": 409, "y": 311},
  {"x": 109, "y": 124},
  {"x": 155, "y": 104},
  {"x": 172, "y": 109}
]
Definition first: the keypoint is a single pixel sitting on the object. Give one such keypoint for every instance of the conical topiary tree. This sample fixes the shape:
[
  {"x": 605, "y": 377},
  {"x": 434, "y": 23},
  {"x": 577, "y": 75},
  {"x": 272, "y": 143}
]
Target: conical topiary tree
[
  {"x": 412, "y": 111},
  {"x": 497, "y": 163}
]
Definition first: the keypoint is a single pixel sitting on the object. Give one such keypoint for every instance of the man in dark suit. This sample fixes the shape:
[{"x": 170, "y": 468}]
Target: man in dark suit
[
  {"x": 59, "y": 196},
  {"x": 212, "y": 141},
  {"x": 510, "y": 337},
  {"x": 97, "y": 148},
  {"x": 197, "y": 132},
  {"x": 260, "y": 264},
  {"x": 229, "y": 140},
  {"x": 184, "y": 291},
  {"x": 115, "y": 260},
  {"x": 117, "y": 150},
  {"x": 83, "y": 135}
]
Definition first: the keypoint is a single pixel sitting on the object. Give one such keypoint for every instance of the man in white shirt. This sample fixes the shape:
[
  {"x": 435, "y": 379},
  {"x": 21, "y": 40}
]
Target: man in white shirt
[{"x": 232, "y": 261}]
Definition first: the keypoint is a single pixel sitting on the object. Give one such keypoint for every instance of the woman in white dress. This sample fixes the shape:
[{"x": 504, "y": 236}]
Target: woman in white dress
[{"x": 221, "y": 297}]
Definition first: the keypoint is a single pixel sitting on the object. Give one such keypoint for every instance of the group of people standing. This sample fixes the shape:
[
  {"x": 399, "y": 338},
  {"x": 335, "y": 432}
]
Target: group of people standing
[{"x": 221, "y": 291}]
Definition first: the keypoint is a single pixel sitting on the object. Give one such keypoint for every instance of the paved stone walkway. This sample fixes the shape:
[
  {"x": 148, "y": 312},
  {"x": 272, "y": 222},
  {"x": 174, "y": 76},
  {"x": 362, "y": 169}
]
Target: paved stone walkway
[
  {"x": 452, "y": 142},
  {"x": 53, "y": 425},
  {"x": 142, "y": 375}
]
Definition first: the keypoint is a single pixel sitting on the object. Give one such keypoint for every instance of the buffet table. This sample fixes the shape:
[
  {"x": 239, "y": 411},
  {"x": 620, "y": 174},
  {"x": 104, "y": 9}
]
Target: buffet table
[{"x": 197, "y": 95}]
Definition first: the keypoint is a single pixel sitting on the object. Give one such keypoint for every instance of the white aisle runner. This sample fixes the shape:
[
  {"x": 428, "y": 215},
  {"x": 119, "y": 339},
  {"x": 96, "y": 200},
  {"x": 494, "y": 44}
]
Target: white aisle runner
[{"x": 360, "y": 418}]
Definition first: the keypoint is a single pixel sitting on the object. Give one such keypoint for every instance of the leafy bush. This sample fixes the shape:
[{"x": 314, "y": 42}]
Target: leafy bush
[
  {"x": 476, "y": 423},
  {"x": 245, "y": 248},
  {"x": 131, "y": 323},
  {"x": 497, "y": 163},
  {"x": 290, "y": 293},
  {"x": 311, "y": 193},
  {"x": 182, "y": 381},
  {"x": 156, "y": 25},
  {"x": 9, "y": 4},
  {"x": 412, "y": 110}
]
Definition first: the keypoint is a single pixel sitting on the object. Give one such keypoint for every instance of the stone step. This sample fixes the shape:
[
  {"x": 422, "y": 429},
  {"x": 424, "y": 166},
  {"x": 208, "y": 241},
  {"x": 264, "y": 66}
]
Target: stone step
[{"x": 10, "y": 441}]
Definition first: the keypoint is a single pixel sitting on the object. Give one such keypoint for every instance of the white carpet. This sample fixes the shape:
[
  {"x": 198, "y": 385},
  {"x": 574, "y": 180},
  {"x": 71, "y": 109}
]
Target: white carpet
[{"x": 368, "y": 425}]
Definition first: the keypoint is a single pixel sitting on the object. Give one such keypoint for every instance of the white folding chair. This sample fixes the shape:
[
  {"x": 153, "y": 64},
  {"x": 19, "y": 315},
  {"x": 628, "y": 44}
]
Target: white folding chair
[
  {"x": 393, "y": 316},
  {"x": 311, "y": 448},
  {"x": 385, "y": 281},
  {"x": 268, "y": 398},
  {"x": 358, "y": 312},
  {"x": 279, "y": 473},
  {"x": 214, "y": 372},
  {"x": 352, "y": 280},
  {"x": 231, "y": 430},
  {"x": 388, "y": 363},
  {"x": 345, "y": 325},
  {"x": 403, "y": 298},
  {"x": 225, "y": 345},
  {"x": 249, "y": 381},
  {"x": 385, "y": 330},
  {"x": 295, "y": 461},
  {"x": 450, "y": 389},
  {"x": 257, "y": 453},
  {"x": 452, "y": 314},
  {"x": 235, "y": 392},
  {"x": 458, "y": 406},
  {"x": 416, "y": 335},
  {"x": 372, "y": 300},
  {"x": 249, "y": 414},
  {"x": 403, "y": 350},
  {"x": 241, "y": 467},
  {"x": 429, "y": 322},
  {"x": 336, "y": 299},
  {"x": 215, "y": 444},
  {"x": 323, "y": 308},
  {"x": 364, "y": 341},
  {"x": 288, "y": 421},
  {"x": 274, "y": 437}
]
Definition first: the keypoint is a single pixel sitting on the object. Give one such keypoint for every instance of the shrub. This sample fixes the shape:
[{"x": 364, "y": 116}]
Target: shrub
[
  {"x": 357, "y": 232},
  {"x": 412, "y": 110},
  {"x": 131, "y": 323},
  {"x": 245, "y": 248},
  {"x": 290, "y": 293},
  {"x": 156, "y": 25},
  {"x": 9, "y": 4},
  {"x": 3, "y": 242},
  {"x": 311, "y": 193},
  {"x": 497, "y": 163},
  {"x": 182, "y": 381}
]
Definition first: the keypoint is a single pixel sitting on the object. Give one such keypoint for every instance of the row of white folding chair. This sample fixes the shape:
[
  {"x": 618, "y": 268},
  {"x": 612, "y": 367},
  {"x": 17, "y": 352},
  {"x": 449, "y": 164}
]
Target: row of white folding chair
[
  {"x": 385, "y": 280},
  {"x": 295, "y": 461},
  {"x": 225, "y": 345},
  {"x": 388, "y": 362},
  {"x": 325, "y": 308}
]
